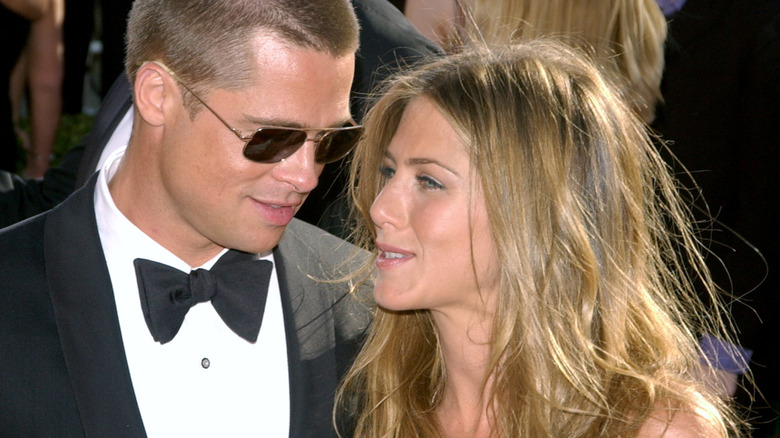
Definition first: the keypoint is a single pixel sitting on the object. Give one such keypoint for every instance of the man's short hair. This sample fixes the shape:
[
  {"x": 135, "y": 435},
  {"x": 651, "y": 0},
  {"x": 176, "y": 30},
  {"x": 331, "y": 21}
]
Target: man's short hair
[{"x": 208, "y": 43}]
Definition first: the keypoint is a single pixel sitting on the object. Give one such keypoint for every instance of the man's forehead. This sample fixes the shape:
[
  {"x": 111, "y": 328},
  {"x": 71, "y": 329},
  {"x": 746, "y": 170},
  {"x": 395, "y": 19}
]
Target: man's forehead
[
  {"x": 266, "y": 41},
  {"x": 298, "y": 87}
]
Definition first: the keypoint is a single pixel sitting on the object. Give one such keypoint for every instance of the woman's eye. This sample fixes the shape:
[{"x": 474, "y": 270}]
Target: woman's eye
[
  {"x": 429, "y": 183},
  {"x": 387, "y": 172}
]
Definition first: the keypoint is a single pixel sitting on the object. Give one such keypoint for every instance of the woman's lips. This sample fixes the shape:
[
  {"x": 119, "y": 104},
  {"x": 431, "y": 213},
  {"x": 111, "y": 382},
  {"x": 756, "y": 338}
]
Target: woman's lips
[{"x": 390, "y": 256}]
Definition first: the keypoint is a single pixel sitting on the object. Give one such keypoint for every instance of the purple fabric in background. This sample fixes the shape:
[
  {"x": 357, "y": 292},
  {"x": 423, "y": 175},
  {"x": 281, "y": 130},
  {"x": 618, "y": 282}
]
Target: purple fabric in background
[
  {"x": 725, "y": 356},
  {"x": 669, "y": 7}
]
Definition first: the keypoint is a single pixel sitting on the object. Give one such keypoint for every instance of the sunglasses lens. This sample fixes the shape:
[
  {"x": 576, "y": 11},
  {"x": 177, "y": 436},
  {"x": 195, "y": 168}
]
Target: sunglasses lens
[
  {"x": 337, "y": 144},
  {"x": 272, "y": 145}
]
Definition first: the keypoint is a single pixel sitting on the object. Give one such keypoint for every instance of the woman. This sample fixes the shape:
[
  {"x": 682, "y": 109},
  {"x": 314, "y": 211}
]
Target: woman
[{"x": 530, "y": 251}]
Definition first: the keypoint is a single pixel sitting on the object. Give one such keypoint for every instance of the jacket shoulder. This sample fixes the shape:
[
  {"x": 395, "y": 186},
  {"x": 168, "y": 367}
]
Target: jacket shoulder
[
  {"x": 327, "y": 265},
  {"x": 21, "y": 242},
  {"x": 320, "y": 251}
]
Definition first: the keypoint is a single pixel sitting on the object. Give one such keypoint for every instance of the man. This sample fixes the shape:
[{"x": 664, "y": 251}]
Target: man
[
  {"x": 388, "y": 42},
  {"x": 237, "y": 105}
]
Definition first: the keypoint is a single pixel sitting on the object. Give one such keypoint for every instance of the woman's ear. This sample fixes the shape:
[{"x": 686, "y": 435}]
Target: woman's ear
[{"x": 153, "y": 88}]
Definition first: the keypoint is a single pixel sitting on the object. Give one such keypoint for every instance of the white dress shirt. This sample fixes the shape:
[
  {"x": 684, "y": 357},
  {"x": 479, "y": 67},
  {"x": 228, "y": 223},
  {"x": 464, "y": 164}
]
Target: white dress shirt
[{"x": 207, "y": 381}]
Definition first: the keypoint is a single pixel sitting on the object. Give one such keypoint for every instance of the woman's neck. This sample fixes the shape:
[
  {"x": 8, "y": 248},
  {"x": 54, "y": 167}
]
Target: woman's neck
[{"x": 465, "y": 346}]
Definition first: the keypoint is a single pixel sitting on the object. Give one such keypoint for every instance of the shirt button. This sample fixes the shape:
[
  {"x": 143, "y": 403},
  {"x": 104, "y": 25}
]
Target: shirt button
[{"x": 205, "y": 362}]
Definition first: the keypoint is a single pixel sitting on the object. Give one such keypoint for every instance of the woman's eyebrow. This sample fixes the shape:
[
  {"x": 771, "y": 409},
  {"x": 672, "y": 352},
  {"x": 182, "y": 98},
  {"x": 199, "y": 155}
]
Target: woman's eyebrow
[{"x": 423, "y": 160}]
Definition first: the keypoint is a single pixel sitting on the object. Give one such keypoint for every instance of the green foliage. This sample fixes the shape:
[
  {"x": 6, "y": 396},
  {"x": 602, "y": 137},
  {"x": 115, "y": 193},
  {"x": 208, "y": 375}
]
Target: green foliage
[
  {"x": 71, "y": 132},
  {"x": 72, "y": 129}
]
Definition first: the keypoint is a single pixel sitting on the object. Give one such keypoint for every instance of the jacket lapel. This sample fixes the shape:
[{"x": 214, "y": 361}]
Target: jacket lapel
[
  {"x": 310, "y": 348},
  {"x": 87, "y": 320}
]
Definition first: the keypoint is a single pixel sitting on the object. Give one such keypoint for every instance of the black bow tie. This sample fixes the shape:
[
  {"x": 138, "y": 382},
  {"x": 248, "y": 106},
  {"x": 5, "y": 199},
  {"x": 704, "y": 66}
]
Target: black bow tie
[{"x": 237, "y": 287}]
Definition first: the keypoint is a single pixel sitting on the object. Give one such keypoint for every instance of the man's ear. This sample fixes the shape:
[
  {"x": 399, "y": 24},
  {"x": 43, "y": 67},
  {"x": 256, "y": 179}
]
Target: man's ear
[{"x": 154, "y": 88}]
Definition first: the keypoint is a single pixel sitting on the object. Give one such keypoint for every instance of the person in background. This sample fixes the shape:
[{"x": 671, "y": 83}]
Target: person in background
[
  {"x": 38, "y": 78},
  {"x": 15, "y": 18},
  {"x": 436, "y": 19},
  {"x": 626, "y": 37},
  {"x": 532, "y": 256},
  {"x": 175, "y": 294}
]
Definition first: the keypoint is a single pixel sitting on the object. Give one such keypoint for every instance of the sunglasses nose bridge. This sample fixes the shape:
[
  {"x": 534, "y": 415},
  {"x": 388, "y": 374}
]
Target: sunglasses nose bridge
[
  {"x": 319, "y": 137},
  {"x": 316, "y": 140}
]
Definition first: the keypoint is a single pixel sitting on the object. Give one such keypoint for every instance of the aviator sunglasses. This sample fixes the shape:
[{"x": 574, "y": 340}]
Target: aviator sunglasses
[{"x": 272, "y": 144}]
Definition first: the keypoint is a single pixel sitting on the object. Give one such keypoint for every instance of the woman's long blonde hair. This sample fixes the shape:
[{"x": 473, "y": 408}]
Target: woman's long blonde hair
[{"x": 597, "y": 318}]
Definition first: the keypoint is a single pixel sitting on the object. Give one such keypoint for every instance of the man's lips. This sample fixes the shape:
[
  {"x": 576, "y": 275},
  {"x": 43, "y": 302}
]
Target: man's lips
[{"x": 279, "y": 214}]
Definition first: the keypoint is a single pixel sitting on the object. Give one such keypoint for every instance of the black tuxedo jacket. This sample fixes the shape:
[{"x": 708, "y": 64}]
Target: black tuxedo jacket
[{"x": 63, "y": 366}]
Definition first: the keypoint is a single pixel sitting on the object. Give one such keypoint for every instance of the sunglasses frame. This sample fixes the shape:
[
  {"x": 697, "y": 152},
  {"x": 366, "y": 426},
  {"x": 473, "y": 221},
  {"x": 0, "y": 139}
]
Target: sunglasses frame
[{"x": 320, "y": 133}]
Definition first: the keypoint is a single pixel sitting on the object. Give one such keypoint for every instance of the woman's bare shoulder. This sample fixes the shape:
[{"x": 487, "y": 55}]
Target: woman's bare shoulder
[{"x": 669, "y": 423}]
